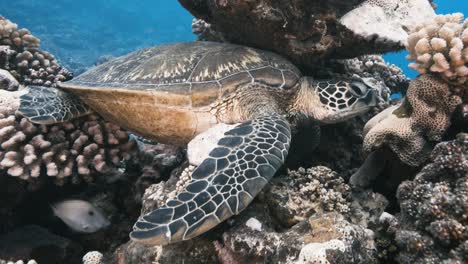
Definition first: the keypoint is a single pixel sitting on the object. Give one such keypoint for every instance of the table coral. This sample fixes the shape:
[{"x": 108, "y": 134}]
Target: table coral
[
  {"x": 21, "y": 56},
  {"x": 433, "y": 220},
  {"x": 441, "y": 46}
]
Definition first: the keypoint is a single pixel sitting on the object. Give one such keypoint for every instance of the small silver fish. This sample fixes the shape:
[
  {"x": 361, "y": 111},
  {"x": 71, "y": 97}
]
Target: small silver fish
[{"x": 80, "y": 215}]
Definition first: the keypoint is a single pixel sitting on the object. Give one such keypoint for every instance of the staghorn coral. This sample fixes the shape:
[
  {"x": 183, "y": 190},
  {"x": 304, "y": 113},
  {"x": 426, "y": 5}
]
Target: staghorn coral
[
  {"x": 433, "y": 225},
  {"x": 75, "y": 149},
  {"x": 441, "y": 46},
  {"x": 411, "y": 128},
  {"x": 21, "y": 56},
  {"x": 304, "y": 192}
]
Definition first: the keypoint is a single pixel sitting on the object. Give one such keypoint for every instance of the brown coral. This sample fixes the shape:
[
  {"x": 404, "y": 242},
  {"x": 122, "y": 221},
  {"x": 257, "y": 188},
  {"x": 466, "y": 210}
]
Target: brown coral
[
  {"x": 441, "y": 46},
  {"x": 21, "y": 56},
  {"x": 75, "y": 150},
  {"x": 411, "y": 128}
]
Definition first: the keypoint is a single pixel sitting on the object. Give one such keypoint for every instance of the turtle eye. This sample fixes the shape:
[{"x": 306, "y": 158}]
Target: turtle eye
[
  {"x": 91, "y": 213},
  {"x": 358, "y": 89}
]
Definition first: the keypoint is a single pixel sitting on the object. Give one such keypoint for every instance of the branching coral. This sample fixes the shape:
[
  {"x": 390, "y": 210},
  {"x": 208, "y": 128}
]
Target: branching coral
[
  {"x": 441, "y": 46},
  {"x": 73, "y": 149},
  {"x": 434, "y": 212},
  {"x": 421, "y": 119},
  {"x": 21, "y": 56}
]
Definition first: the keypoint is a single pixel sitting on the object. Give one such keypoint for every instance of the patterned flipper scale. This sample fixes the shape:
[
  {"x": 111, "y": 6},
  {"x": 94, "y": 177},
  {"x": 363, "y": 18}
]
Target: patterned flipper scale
[
  {"x": 47, "y": 105},
  {"x": 245, "y": 159}
]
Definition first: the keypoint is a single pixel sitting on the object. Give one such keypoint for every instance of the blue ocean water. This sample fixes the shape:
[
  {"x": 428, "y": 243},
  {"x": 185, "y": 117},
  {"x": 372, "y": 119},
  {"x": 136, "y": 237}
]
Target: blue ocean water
[{"x": 79, "y": 32}]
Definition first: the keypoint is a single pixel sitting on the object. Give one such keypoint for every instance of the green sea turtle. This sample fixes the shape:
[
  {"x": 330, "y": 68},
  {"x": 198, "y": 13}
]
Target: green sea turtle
[{"x": 172, "y": 93}]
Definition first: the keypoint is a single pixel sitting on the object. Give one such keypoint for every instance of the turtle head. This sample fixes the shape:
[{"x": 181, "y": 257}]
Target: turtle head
[{"x": 336, "y": 100}]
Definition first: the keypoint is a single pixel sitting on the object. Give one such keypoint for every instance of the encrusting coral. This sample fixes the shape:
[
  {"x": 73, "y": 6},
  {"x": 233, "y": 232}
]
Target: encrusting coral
[
  {"x": 77, "y": 148},
  {"x": 441, "y": 46},
  {"x": 21, "y": 56},
  {"x": 434, "y": 213}
]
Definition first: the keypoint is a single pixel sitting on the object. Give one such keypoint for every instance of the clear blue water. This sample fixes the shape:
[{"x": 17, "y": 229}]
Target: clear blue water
[{"x": 78, "y": 32}]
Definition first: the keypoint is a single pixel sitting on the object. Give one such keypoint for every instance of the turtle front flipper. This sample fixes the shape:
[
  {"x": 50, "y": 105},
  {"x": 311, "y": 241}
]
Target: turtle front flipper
[
  {"x": 47, "y": 105},
  {"x": 245, "y": 159}
]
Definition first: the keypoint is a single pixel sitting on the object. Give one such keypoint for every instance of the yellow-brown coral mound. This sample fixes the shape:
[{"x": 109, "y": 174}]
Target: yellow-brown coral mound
[{"x": 441, "y": 46}]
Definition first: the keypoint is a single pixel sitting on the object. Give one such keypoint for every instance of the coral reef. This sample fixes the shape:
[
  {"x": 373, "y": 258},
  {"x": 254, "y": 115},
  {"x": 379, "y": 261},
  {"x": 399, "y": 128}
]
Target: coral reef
[
  {"x": 322, "y": 238},
  {"x": 74, "y": 150},
  {"x": 421, "y": 119},
  {"x": 290, "y": 222},
  {"x": 305, "y": 192},
  {"x": 93, "y": 257},
  {"x": 441, "y": 46},
  {"x": 280, "y": 26},
  {"x": 433, "y": 221},
  {"x": 21, "y": 56}
]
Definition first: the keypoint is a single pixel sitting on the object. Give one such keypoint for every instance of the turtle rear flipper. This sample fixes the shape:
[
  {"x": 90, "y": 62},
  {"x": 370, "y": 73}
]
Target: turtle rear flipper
[
  {"x": 47, "y": 105},
  {"x": 245, "y": 159}
]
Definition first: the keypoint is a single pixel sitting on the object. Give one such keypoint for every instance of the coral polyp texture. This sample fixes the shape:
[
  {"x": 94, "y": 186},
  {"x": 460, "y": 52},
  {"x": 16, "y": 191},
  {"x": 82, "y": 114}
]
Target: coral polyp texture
[
  {"x": 433, "y": 221},
  {"x": 411, "y": 129},
  {"x": 441, "y": 46},
  {"x": 74, "y": 150},
  {"x": 21, "y": 56}
]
